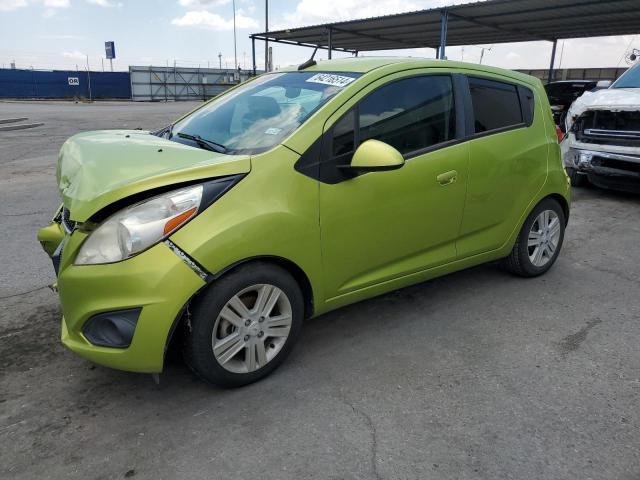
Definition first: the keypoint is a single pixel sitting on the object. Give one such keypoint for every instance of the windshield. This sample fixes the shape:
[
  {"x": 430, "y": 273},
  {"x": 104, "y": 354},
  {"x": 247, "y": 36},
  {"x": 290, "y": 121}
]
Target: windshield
[
  {"x": 629, "y": 79},
  {"x": 260, "y": 114}
]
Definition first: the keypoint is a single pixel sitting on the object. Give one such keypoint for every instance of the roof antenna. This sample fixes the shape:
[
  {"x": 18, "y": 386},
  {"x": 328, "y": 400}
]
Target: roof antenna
[{"x": 309, "y": 63}]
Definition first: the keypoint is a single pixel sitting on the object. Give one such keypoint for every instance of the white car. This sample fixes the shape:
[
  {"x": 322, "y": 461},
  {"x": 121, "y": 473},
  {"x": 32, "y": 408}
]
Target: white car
[{"x": 602, "y": 144}]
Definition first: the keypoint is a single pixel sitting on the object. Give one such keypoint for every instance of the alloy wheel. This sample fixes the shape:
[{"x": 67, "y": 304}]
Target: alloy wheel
[
  {"x": 544, "y": 237},
  {"x": 251, "y": 328}
]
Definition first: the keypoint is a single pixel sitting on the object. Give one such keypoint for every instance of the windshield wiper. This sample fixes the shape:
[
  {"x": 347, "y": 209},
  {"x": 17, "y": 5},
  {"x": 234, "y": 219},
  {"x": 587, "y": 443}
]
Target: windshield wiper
[{"x": 204, "y": 143}]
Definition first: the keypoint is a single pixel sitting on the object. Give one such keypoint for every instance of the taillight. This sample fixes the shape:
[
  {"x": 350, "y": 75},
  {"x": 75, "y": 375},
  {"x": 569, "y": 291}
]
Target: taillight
[{"x": 560, "y": 133}]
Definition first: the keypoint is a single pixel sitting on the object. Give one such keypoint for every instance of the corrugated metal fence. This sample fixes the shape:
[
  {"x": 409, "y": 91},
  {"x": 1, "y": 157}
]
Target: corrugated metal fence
[
  {"x": 171, "y": 83},
  {"x": 16, "y": 83},
  {"x": 139, "y": 83},
  {"x": 179, "y": 83}
]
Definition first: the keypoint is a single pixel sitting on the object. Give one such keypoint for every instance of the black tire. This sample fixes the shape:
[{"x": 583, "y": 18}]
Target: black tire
[
  {"x": 577, "y": 179},
  {"x": 206, "y": 309},
  {"x": 518, "y": 262}
]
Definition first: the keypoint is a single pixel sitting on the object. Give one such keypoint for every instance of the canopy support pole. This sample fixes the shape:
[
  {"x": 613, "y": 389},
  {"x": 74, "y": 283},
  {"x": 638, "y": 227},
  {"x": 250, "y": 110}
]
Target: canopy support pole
[
  {"x": 266, "y": 29},
  {"x": 444, "y": 20},
  {"x": 253, "y": 53},
  {"x": 553, "y": 61},
  {"x": 329, "y": 42}
]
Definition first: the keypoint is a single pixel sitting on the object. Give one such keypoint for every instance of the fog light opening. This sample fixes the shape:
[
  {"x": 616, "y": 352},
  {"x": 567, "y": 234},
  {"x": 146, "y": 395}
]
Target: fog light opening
[{"x": 112, "y": 329}]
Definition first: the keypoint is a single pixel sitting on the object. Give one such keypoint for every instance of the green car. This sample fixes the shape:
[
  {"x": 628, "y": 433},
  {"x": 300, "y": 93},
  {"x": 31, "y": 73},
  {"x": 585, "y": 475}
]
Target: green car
[{"x": 291, "y": 195}]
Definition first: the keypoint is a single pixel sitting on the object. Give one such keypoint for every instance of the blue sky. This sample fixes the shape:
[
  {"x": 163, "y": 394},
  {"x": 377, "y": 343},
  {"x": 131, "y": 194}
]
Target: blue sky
[{"x": 60, "y": 33}]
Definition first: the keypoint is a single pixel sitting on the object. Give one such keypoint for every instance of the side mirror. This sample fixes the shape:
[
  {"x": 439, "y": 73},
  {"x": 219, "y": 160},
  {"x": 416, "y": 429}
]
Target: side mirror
[
  {"x": 603, "y": 84},
  {"x": 376, "y": 156}
]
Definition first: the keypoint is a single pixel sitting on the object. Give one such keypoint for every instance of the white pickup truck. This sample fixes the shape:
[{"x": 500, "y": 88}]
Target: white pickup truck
[{"x": 602, "y": 144}]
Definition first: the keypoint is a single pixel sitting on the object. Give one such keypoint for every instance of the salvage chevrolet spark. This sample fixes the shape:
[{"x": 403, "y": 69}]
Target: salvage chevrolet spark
[{"x": 294, "y": 194}]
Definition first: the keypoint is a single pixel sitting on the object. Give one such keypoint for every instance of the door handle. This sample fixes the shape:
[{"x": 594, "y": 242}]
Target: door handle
[{"x": 447, "y": 178}]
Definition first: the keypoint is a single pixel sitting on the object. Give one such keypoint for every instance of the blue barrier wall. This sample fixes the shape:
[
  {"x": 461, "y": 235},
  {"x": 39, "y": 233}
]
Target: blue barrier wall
[{"x": 63, "y": 84}]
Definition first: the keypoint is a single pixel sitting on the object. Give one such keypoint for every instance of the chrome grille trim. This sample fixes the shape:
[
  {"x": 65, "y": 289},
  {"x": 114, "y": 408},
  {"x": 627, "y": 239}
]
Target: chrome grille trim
[{"x": 611, "y": 133}]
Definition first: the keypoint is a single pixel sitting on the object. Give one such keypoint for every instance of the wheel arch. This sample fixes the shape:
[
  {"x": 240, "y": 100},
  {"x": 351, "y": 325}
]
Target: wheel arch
[
  {"x": 557, "y": 197},
  {"x": 563, "y": 203},
  {"x": 292, "y": 268}
]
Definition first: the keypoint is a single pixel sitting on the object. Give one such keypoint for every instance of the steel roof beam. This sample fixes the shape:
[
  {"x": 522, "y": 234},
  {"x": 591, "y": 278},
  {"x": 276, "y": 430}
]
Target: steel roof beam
[
  {"x": 583, "y": 3},
  {"x": 499, "y": 28},
  {"x": 301, "y": 44},
  {"x": 358, "y": 33},
  {"x": 492, "y": 21}
]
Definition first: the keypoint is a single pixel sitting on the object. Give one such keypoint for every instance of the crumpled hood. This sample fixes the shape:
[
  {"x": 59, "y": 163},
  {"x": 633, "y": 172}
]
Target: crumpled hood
[
  {"x": 98, "y": 168},
  {"x": 607, "y": 99}
]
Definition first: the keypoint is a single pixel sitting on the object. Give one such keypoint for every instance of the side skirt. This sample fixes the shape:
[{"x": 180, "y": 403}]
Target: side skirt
[{"x": 411, "y": 279}]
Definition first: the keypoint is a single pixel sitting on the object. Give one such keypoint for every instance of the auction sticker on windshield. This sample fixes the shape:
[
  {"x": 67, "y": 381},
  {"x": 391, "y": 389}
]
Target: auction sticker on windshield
[{"x": 331, "y": 79}]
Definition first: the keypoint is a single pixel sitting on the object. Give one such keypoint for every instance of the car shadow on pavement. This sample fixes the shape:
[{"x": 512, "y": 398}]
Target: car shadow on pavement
[
  {"x": 331, "y": 334},
  {"x": 334, "y": 334},
  {"x": 589, "y": 191}
]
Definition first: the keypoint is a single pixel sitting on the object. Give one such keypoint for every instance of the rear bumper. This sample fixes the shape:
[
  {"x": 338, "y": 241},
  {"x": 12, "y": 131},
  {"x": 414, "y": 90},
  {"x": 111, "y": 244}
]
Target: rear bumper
[{"x": 156, "y": 281}]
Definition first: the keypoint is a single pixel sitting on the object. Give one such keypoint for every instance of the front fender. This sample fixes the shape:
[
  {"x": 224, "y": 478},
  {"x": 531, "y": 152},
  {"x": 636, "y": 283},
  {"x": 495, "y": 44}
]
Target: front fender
[{"x": 272, "y": 212}]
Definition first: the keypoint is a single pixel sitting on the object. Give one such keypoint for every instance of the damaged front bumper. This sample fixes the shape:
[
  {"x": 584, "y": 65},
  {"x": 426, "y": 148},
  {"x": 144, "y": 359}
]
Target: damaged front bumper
[
  {"x": 618, "y": 171},
  {"x": 155, "y": 286},
  {"x": 120, "y": 315},
  {"x": 51, "y": 236}
]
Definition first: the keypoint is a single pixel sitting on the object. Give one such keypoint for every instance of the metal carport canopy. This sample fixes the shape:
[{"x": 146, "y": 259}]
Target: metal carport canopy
[{"x": 484, "y": 22}]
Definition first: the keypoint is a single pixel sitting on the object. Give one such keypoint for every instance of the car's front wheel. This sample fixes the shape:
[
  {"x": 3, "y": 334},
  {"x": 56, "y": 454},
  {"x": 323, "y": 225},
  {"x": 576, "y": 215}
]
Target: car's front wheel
[
  {"x": 539, "y": 241},
  {"x": 244, "y": 325}
]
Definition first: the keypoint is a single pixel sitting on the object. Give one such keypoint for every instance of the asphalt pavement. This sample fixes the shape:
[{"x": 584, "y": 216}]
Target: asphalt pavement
[{"x": 477, "y": 375}]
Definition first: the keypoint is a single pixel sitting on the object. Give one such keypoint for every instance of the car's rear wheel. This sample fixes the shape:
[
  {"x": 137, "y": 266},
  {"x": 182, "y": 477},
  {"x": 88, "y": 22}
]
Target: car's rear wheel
[
  {"x": 244, "y": 325},
  {"x": 539, "y": 241}
]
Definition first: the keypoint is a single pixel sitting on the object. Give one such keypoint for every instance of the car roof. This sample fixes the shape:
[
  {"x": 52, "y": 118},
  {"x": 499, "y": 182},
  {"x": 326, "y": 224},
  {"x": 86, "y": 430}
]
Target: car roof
[
  {"x": 352, "y": 64},
  {"x": 367, "y": 64}
]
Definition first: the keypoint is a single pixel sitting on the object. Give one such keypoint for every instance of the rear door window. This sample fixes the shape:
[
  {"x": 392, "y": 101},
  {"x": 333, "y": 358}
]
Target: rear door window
[{"x": 496, "y": 105}]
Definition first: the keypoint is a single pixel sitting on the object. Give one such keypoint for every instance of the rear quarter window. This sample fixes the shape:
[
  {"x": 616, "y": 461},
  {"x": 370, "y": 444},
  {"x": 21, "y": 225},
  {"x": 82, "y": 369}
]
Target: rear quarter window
[{"x": 527, "y": 104}]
